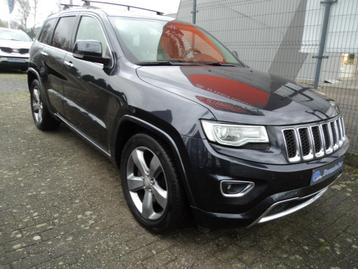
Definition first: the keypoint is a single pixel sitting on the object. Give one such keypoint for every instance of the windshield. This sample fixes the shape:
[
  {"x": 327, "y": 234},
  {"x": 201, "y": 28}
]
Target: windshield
[
  {"x": 151, "y": 41},
  {"x": 13, "y": 35}
]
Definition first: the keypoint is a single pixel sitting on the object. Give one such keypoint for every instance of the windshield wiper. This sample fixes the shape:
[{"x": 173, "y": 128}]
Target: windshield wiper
[
  {"x": 181, "y": 62},
  {"x": 154, "y": 63},
  {"x": 176, "y": 62},
  {"x": 216, "y": 64}
]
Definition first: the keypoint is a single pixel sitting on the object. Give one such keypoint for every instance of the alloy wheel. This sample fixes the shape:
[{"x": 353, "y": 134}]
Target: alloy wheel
[
  {"x": 147, "y": 183},
  {"x": 37, "y": 105}
]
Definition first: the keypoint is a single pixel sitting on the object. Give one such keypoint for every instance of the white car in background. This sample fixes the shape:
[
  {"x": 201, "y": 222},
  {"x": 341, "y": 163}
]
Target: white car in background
[{"x": 14, "y": 49}]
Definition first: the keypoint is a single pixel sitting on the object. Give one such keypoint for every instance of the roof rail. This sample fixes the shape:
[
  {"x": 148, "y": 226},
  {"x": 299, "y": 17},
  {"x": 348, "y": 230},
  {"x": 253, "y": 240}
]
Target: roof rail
[
  {"x": 88, "y": 3},
  {"x": 66, "y": 6}
]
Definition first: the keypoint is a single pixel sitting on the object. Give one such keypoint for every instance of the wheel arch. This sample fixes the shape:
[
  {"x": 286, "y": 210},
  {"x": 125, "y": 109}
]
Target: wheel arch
[
  {"x": 130, "y": 125},
  {"x": 32, "y": 74}
]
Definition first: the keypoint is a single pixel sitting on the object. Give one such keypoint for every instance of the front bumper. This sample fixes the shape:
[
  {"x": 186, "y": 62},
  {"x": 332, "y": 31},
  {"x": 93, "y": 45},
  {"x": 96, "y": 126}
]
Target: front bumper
[
  {"x": 14, "y": 62},
  {"x": 279, "y": 189},
  {"x": 288, "y": 206}
]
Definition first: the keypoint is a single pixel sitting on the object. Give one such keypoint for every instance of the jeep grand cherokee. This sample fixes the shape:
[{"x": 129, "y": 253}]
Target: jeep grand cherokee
[{"x": 193, "y": 130}]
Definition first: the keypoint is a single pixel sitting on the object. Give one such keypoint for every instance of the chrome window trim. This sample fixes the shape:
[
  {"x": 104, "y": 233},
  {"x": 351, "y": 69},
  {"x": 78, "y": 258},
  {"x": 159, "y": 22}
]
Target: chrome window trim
[{"x": 70, "y": 52}]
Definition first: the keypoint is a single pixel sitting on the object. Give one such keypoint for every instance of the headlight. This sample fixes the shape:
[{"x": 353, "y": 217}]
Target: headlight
[{"x": 234, "y": 135}]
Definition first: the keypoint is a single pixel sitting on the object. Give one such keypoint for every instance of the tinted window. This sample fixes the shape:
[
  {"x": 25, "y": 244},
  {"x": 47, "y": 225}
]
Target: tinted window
[
  {"x": 63, "y": 33},
  {"x": 47, "y": 31},
  {"x": 90, "y": 29}
]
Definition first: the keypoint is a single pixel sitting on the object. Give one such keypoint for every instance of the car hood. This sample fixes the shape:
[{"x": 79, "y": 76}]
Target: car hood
[
  {"x": 15, "y": 44},
  {"x": 242, "y": 95}
]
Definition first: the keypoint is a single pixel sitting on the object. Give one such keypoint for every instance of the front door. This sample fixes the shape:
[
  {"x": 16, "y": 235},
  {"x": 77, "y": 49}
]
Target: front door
[{"x": 88, "y": 98}]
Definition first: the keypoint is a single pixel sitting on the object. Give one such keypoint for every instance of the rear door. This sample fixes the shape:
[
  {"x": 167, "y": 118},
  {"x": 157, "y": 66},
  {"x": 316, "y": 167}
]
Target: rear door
[
  {"x": 89, "y": 101},
  {"x": 43, "y": 62},
  {"x": 53, "y": 57}
]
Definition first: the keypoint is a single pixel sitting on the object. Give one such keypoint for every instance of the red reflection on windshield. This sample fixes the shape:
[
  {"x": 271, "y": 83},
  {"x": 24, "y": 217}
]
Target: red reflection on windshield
[
  {"x": 181, "y": 41},
  {"x": 230, "y": 88}
]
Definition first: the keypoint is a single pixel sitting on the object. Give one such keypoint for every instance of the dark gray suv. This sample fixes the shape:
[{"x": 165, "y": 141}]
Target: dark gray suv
[{"x": 195, "y": 132}]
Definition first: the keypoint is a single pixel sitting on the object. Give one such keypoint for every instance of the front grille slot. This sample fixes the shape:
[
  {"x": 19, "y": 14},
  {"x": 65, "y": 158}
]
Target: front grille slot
[
  {"x": 11, "y": 50},
  {"x": 327, "y": 138},
  {"x": 305, "y": 143},
  {"x": 339, "y": 130},
  {"x": 24, "y": 51},
  {"x": 334, "y": 133},
  {"x": 6, "y": 49},
  {"x": 290, "y": 143},
  {"x": 317, "y": 139},
  {"x": 343, "y": 128}
]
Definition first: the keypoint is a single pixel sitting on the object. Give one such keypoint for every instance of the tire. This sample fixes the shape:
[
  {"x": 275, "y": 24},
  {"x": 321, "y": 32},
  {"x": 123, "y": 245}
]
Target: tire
[
  {"x": 161, "y": 178},
  {"x": 43, "y": 119}
]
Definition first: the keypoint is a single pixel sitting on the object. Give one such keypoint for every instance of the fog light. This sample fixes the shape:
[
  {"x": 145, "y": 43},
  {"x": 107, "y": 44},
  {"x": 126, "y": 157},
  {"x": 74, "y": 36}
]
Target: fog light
[{"x": 235, "y": 188}]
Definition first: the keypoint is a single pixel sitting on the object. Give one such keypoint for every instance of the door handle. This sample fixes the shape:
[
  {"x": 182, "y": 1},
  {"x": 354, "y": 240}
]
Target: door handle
[
  {"x": 44, "y": 53},
  {"x": 69, "y": 64}
]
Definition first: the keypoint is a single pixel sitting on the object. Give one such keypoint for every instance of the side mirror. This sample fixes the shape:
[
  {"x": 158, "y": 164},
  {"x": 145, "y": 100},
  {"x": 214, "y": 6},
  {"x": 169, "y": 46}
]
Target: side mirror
[
  {"x": 90, "y": 50},
  {"x": 235, "y": 53}
]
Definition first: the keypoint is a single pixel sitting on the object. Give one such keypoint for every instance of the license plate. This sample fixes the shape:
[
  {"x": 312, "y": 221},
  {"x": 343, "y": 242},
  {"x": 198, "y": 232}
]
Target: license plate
[
  {"x": 17, "y": 60},
  {"x": 327, "y": 171}
]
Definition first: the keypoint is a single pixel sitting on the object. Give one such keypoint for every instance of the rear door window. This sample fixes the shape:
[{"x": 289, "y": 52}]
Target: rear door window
[
  {"x": 62, "y": 37},
  {"x": 47, "y": 31}
]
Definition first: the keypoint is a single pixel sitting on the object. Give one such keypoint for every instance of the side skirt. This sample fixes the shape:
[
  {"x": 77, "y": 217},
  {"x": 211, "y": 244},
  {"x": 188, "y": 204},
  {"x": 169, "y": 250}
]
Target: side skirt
[{"x": 89, "y": 140}]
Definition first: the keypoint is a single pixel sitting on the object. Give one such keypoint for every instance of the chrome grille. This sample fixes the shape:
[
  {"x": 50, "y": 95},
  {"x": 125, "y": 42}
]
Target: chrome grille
[
  {"x": 11, "y": 50},
  {"x": 308, "y": 142}
]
